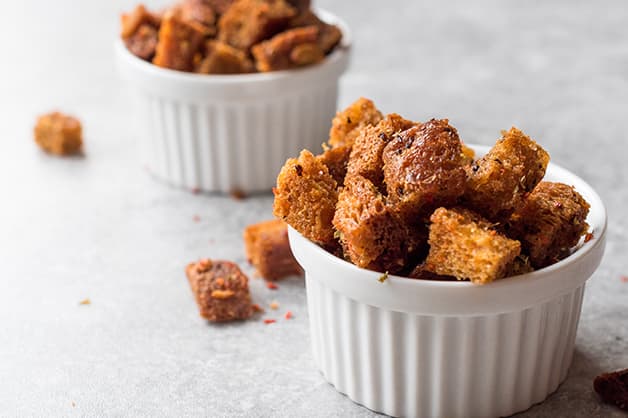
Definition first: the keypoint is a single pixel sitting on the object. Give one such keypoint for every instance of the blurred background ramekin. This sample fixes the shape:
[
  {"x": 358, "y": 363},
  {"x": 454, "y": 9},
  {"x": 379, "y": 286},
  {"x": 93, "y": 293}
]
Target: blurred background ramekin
[
  {"x": 228, "y": 133},
  {"x": 410, "y": 347}
]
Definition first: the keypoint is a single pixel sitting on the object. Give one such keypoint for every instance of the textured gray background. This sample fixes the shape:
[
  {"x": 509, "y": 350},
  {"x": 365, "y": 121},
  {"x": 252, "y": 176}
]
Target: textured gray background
[{"x": 99, "y": 227}]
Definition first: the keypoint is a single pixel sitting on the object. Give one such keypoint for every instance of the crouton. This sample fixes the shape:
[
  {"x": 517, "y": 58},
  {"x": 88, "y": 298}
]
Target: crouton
[
  {"x": 347, "y": 124},
  {"x": 268, "y": 250}
]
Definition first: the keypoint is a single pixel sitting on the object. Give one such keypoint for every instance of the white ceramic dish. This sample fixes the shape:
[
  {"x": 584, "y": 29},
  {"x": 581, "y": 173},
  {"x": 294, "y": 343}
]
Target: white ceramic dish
[
  {"x": 448, "y": 349},
  {"x": 220, "y": 133}
]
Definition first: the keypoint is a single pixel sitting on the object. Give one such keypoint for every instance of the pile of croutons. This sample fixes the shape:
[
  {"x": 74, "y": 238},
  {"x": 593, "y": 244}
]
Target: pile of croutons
[
  {"x": 409, "y": 198},
  {"x": 230, "y": 36}
]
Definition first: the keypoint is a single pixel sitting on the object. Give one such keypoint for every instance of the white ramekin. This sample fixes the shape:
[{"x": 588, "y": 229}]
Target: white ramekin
[
  {"x": 448, "y": 349},
  {"x": 220, "y": 133}
]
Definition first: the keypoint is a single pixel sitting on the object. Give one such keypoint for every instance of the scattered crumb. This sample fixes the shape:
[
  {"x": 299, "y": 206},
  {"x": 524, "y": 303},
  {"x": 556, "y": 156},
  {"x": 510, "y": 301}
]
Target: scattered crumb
[
  {"x": 257, "y": 308},
  {"x": 59, "y": 134},
  {"x": 195, "y": 190},
  {"x": 237, "y": 194},
  {"x": 73, "y": 404},
  {"x": 624, "y": 279},
  {"x": 196, "y": 218},
  {"x": 270, "y": 321},
  {"x": 288, "y": 315},
  {"x": 272, "y": 286},
  {"x": 85, "y": 302},
  {"x": 274, "y": 305},
  {"x": 588, "y": 237},
  {"x": 383, "y": 277}
]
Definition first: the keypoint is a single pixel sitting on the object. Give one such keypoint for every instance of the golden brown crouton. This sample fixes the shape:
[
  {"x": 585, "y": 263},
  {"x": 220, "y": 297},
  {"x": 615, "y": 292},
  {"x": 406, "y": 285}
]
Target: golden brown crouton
[
  {"x": 290, "y": 49},
  {"x": 305, "y": 198},
  {"x": 179, "y": 44},
  {"x": 329, "y": 35},
  {"x": 59, "y": 134},
  {"x": 221, "y": 58},
  {"x": 423, "y": 168},
  {"x": 346, "y": 125},
  {"x": 370, "y": 233},
  {"x": 139, "y": 32},
  {"x": 248, "y": 22},
  {"x": 498, "y": 183},
  {"x": 366, "y": 155},
  {"x": 336, "y": 160},
  {"x": 550, "y": 222},
  {"x": 464, "y": 245},
  {"x": 198, "y": 11},
  {"x": 268, "y": 249},
  {"x": 221, "y": 290}
]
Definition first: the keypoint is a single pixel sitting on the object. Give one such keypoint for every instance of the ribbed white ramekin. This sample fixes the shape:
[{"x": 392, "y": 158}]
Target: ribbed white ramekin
[
  {"x": 220, "y": 133},
  {"x": 448, "y": 349}
]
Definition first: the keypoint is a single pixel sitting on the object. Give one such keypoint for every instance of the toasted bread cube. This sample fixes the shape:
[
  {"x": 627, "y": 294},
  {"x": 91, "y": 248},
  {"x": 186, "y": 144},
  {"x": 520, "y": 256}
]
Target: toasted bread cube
[
  {"x": 422, "y": 273},
  {"x": 366, "y": 155},
  {"x": 268, "y": 249},
  {"x": 424, "y": 168},
  {"x": 613, "y": 388},
  {"x": 139, "y": 32},
  {"x": 221, "y": 290},
  {"x": 336, "y": 160},
  {"x": 346, "y": 125},
  {"x": 464, "y": 245},
  {"x": 198, "y": 11},
  {"x": 248, "y": 22},
  {"x": 219, "y": 6},
  {"x": 370, "y": 233},
  {"x": 329, "y": 35},
  {"x": 221, "y": 58},
  {"x": 59, "y": 134},
  {"x": 290, "y": 49},
  {"x": 305, "y": 198},
  {"x": 550, "y": 222},
  {"x": 498, "y": 183},
  {"x": 180, "y": 43}
]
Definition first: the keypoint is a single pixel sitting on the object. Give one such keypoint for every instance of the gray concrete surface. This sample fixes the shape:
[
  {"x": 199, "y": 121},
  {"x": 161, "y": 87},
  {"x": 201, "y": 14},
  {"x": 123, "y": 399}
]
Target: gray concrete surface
[{"x": 98, "y": 227}]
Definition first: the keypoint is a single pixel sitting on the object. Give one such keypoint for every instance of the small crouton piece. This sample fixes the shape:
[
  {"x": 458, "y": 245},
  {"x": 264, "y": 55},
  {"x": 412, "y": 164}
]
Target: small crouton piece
[
  {"x": 221, "y": 58},
  {"x": 329, "y": 35},
  {"x": 290, "y": 49},
  {"x": 347, "y": 125},
  {"x": 366, "y": 155},
  {"x": 59, "y": 134},
  {"x": 139, "y": 32},
  {"x": 550, "y": 222},
  {"x": 613, "y": 388},
  {"x": 305, "y": 198},
  {"x": 464, "y": 245},
  {"x": 370, "y": 233},
  {"x": 198, "y": 11},
  {"x": 180, "y": 43},
  {"x": 336, "y": 160},
  {"x": 498, "y": 183},
  {"x": 221, "y": 290},
  {"x": 248, "y": 22},
  {"x": 423, "y": 168},
  {"x": 268, "y": 249}
]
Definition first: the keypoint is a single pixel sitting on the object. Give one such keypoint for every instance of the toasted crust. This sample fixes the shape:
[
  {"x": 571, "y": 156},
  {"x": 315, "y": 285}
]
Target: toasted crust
[
  {"x": 248, "y": 22},
  {"x": 498, "y": 183},
  {"x": 347, "y": 124},
  {"x": 370, "y": 233},
  {"x": 464, "y": 245},
  {"x": 613, "y": 388},
  {"x": 268, "y": 249},
  {"x": 221, "y": 58},
  {"x": 290, "y": 49},
  {"x": 329, "y": 35},
  {"x": 336, "y": 160},
  {"x": 306, "y": 196},
  {"x": 221, "y": 290},
  {"x": 366, "y": 155},
  {"x": 180, "y": 43},
  {"x": 424, "y": 168},
  {"x": 59, "y": 134},
  {"x": 139, "y": 32},
  {"x": 550, "y": 222}
]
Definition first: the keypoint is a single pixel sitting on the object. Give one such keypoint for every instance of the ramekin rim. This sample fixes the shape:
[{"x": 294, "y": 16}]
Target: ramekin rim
[
  {"x": 227, "y": 79},
  {"x": 582, "y": 251}
]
